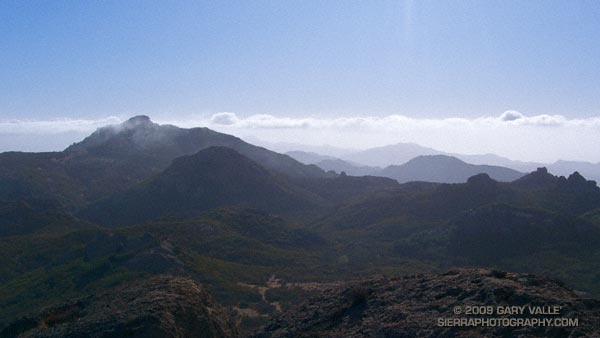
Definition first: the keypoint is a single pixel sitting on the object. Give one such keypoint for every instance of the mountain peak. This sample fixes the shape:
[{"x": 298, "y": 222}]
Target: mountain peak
[
  {"x": 578, "y": 182},
  {"x": 540, "y": 178},
  {"x": 139, "y": 120},
  {"x": 576, "y": 178}
]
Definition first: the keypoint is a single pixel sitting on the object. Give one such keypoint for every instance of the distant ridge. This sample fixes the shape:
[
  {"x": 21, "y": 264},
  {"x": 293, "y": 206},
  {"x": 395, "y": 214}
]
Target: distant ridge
[
  {"x": 393, "y": 154},
  {"x": 400, "y": 153},
  {"x": 445, "y": 169}
]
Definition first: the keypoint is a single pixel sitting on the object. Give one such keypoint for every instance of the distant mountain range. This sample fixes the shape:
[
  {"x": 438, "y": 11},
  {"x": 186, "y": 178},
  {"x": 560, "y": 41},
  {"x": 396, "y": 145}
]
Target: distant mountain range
[
  {"x": 430, "y": 168},
  {"x": 395, "y": 154},
  {"x": 330, "y": 163},
  {"x": 371, "y": 161}
]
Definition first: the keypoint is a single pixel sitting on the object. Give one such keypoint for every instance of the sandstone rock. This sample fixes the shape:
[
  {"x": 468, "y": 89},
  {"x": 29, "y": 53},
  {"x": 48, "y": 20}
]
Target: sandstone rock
[{"x": 410, "y": 307}]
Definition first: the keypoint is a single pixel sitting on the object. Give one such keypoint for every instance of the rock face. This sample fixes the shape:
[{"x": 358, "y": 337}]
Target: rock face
[
  {"x": 157, "y": 307},
  {"x": 411, "y": 307}
]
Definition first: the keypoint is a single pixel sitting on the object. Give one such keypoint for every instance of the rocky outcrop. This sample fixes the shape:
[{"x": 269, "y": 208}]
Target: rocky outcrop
[
  {"x": 413, "y": 306},
  {"x": 157, "y": 307}
]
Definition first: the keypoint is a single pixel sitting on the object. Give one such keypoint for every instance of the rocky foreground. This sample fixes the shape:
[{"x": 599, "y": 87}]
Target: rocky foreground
[
  {"x": 157, "y": 307},
  {"x": 412, "y": 306}
]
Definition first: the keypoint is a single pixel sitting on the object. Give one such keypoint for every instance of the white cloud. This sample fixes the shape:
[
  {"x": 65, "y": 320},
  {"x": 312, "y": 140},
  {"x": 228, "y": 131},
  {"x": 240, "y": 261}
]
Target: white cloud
[
  {"x": 54, "y": 126},
  {"x": 395, "y": 122},
  {"x": 226, "y": 119},
  {"x": 511, "y": 115},
  {"x": 511, "y": 134}
]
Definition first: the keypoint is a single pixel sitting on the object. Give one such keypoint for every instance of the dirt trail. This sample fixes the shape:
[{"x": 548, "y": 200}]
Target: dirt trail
[{"x": 272, "y": 283}]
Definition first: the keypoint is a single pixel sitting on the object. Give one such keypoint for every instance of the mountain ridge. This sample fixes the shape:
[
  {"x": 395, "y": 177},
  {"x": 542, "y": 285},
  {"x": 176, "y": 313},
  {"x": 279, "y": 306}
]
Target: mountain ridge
[
  {"x": 445, "y": 169},
  {"x": 116, "y": 157}
]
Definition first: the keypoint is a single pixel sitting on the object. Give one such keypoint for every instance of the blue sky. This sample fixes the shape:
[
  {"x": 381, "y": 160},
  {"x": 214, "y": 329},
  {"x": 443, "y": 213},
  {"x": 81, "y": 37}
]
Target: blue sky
[
  {"x": 326, "y": 58},
  {"x": 309, "y": 70}
]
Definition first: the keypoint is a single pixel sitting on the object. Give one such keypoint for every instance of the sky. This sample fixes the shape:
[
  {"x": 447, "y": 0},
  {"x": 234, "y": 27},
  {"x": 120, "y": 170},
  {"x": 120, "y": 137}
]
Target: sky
[{"x": 517, "y": 78}]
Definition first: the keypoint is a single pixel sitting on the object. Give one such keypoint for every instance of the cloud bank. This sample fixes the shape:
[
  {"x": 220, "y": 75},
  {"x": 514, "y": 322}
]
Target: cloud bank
[
  {"x": 54, "y": 126},
  {"x": 511, "y": 134},
  {"x": 508, "y": 118}
]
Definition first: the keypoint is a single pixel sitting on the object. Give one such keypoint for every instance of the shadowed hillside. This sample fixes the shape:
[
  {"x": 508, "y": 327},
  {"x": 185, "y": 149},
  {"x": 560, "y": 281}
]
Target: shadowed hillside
[{"x": 214, "y": 177}]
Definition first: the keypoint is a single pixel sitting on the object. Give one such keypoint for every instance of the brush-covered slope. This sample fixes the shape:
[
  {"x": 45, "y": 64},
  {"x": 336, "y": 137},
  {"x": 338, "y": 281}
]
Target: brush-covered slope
[
  {"x": 411, "y": 307},
  {"x": 157, "y": 307},
  {"x": 220, "y": 249},
  {"x": 445, "y": 169},
  {"x": 26, "y": 216},
  {"x": 213, "y": 177}
]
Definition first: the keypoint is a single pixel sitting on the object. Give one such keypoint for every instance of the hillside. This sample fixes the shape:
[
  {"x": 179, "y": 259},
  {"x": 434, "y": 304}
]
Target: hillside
[
  {"x": 221, "y": 249},
  {"x": 157, "y": 307},
  {"x": 25, "y": 216},
  {"x": 212, "y": 178},
  {"x": 412, "y": 306},
  {"x": 526, "y": 225}
]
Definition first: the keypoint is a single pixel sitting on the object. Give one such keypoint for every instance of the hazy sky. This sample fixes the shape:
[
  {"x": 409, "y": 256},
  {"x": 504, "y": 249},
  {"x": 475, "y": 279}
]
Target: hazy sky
[{"x": 407, "y": 67}]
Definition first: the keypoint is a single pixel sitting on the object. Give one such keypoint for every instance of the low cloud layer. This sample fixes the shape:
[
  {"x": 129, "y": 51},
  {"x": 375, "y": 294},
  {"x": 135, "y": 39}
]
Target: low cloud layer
[
  {"x": 511, "y": 134},
  {"x": 395, "y": 122},
  {"x": 55, "y": 126}
]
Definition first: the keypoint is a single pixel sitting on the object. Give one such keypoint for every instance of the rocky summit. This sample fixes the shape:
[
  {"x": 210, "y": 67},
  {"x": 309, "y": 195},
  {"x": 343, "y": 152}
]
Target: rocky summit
[
  {"x": 157, "y": 307},
  {"x": 420, "y": 305}
]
